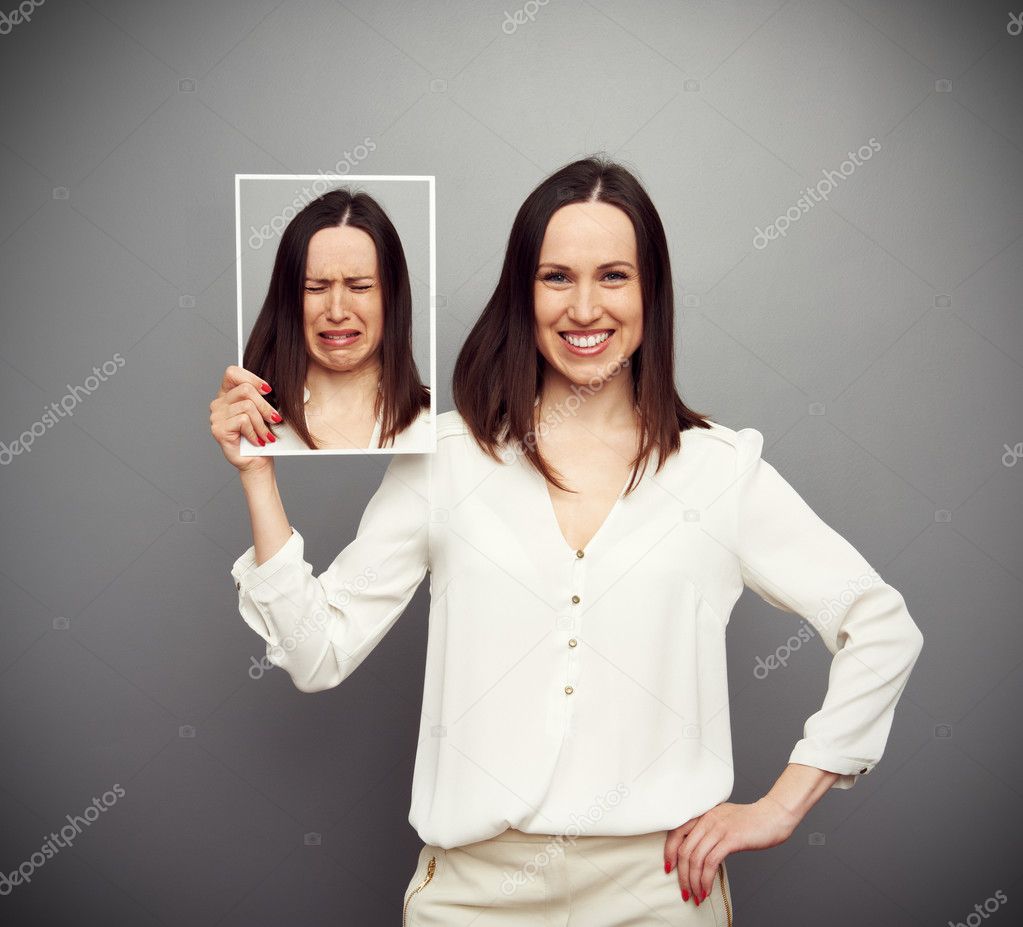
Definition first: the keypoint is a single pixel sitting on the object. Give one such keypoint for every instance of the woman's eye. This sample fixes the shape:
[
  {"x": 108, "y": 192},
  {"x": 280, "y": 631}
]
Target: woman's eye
[
  {"x": 315, "y": 289},
  {"x": 556, "y": 276},
  {"x": 362, "y": 289}
]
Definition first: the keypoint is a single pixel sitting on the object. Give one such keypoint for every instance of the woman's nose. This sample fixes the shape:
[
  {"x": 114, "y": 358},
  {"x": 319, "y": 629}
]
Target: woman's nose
[
  {"x": 337, "y": 306},
  {"x": 584, "y": 308}
]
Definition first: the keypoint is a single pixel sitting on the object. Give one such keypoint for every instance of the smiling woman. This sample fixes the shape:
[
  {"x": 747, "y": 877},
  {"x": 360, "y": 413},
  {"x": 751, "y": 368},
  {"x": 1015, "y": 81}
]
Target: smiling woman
[
  {"x": 574, "y": 758},
  {"x": 333, "y": 336}
]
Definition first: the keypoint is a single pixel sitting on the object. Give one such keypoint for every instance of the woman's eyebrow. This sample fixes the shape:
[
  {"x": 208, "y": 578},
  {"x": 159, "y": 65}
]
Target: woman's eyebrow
[
  {"x": 603, "y": 266},
  {"x": 329, "y": 279}
]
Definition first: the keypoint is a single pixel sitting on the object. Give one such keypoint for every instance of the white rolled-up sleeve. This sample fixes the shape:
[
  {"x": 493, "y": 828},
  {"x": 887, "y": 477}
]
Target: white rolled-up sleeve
[
  {"x": 320, "y": 628},
  {"x": 796, "y": 562}
]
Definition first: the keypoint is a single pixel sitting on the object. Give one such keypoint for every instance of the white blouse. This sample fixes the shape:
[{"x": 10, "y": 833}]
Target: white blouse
[
  {"x": 416, "y": 438},
  {"x": 557, "y": 679}
]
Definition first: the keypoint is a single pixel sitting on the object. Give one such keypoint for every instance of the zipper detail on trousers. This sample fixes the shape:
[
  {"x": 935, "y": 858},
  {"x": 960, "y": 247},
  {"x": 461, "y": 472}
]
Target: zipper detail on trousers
[
  {"x": 430, "y": 867},
  {"x": 724, "y": 894}
]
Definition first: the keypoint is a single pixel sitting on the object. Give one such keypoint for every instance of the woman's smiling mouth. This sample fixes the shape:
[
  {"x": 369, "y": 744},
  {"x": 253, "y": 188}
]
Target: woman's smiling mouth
[{"x": 586, "y": 343}]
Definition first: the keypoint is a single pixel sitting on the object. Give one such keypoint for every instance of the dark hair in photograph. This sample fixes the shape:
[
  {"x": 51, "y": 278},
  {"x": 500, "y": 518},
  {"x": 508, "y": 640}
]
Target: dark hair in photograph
[
  {"x": 276, "y": 348},
  {"x": 499, "y": 372}
]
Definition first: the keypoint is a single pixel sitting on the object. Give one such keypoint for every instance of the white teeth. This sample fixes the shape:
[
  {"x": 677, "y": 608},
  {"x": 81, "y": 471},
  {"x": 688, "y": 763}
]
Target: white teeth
[
  {"x": 589, "y": 341},
  {"x": 336, "y": 337}
]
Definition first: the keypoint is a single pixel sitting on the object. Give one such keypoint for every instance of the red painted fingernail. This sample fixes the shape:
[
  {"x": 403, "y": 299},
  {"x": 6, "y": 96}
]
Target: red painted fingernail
[
  {"x": 262, "y": 443},
  {"x": 266, "y": 388},
  {"x": 696, "y": 898},
  {"x": 270, "y": 436},
  {"x": 667, "y": 866},
  {"x": 685, "y": 895},
  {"x": 276, "y": 417},
  {"x": 705, "y": 895}
]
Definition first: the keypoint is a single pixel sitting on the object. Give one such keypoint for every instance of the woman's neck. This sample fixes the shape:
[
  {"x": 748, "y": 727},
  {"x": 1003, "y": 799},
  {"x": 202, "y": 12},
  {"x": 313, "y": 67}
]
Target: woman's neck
[
  {"x": 332, "y": 390},
  {"x": 606, "y": 405}
]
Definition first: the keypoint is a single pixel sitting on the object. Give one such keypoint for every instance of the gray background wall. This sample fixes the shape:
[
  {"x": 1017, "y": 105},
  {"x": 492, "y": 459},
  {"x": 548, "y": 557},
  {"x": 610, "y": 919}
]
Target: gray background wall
[{"x": 877, "y": 346}]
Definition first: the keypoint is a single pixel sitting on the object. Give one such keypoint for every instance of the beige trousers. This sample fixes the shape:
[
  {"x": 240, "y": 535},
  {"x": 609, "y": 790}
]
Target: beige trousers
[{"x": 542, "y": 880}]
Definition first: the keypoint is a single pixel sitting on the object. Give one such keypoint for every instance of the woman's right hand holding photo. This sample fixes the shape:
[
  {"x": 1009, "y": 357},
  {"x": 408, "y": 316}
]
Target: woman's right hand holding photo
[{"x": 241, "y": 409}]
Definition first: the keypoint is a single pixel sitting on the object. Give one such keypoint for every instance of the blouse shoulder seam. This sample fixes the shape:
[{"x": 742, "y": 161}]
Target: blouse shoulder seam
[
  {"x": 717, "y": 431},
  {"x": 450, "y": 424}
]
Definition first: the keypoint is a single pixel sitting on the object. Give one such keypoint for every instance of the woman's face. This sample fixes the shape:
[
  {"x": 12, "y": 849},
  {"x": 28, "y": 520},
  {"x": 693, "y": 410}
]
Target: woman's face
[
  {"x": 587, "y": 297},
  {"x": 342, "y": 298}
]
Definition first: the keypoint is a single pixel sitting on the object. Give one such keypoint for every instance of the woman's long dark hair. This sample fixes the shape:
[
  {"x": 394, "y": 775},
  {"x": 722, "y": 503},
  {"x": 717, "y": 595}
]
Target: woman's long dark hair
[
  {"x": 499, "y": 372},
  {"x": 276, "y": 349}
]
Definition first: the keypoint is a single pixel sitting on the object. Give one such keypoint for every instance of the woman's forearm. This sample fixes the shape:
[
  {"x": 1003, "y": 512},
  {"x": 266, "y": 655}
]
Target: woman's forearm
[
  {"x": 270, "y": 526},
  {"x": 799, "y": 788}
]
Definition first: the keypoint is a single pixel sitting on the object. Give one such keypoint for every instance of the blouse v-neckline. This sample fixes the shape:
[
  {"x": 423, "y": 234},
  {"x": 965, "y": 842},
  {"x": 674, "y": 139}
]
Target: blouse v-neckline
[{"x": 552, "y": 514}]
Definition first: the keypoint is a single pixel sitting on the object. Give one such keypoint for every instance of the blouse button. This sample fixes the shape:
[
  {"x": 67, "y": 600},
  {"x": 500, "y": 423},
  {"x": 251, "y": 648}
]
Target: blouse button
[
  {"x": 569, "y": 690},
  {"x": 579, "y": 554},
  {"x": 575, "y": 600},
  {"x": 572, "y": 642}
]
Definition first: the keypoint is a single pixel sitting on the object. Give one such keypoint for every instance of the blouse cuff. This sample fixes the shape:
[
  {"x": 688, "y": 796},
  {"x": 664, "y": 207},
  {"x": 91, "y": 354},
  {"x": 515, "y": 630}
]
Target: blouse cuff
[
  {"x": 255, "y": 583},
  {"x": 849, "y": 768}
]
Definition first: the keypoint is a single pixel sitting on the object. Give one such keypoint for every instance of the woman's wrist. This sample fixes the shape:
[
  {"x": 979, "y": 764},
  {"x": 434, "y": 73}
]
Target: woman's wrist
[
  {"x": 258, "y": 478},
  {"x": 798, "y": 789}
]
